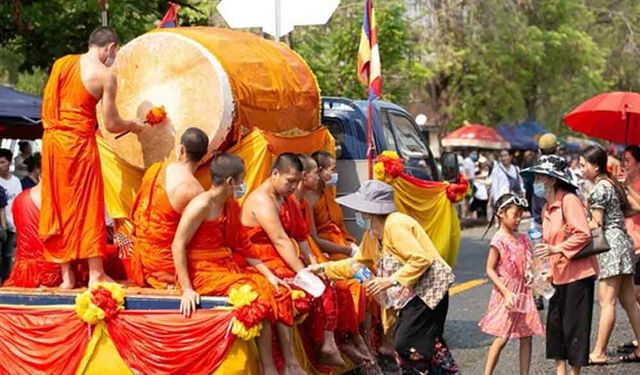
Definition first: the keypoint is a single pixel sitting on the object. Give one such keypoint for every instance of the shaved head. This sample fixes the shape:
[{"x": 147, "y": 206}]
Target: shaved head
[
  {"x": 103, "y": 36},
  {"x": 286, "y": 162},
  {"x": 225, "y": 165},
  {"x": 195, "y": 142},
  {"x": 323, "y": 159},
  {"x": 308, "y": 163}
]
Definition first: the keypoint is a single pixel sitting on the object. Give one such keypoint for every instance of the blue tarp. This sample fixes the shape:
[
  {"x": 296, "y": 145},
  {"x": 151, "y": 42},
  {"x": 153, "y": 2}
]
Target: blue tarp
[
  {"x": 19, "y": 114},
  {"x": 517, "y": 138}
]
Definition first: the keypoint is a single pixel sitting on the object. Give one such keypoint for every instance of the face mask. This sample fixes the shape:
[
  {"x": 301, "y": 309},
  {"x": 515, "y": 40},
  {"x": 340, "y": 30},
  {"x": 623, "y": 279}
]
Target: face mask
[
  {"x": 362, "y": 222},
  {"x": 239, "y": 191},
  {"x": 538, "y": 189},
  {"x": 333, "y": 181},
  {"x": 474, "y": 157}
]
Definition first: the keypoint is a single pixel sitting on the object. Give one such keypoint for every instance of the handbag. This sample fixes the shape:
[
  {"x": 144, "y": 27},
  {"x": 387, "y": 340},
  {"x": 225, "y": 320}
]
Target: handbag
[{"x": 597, "y": 244}]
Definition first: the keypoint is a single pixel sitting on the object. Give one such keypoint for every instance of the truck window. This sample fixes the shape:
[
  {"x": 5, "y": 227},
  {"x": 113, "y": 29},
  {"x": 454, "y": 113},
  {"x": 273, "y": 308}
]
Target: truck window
[{"x": 410, "y": 145}]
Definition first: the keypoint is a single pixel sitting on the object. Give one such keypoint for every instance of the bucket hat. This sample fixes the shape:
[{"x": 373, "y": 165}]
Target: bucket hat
[{"x": 373, "y": 197}]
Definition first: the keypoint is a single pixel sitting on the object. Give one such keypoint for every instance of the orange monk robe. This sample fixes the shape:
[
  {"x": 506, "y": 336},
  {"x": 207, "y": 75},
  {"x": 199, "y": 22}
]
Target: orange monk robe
[
  {"x": 329, "y": 221},
  {"x": 213, "y": 271},
  {"x": 72, "y": 223},
  {"x": 355, "y": 305},
  {"x": 155, "y": 223},
  {"x": 30, "y": 270}
]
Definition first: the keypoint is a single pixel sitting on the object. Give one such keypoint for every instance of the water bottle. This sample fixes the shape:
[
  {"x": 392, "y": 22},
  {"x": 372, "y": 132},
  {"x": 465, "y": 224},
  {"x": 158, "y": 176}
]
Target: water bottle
[
  {"x": 361, "y": 273},
  {"x": 535, "y": 238}
]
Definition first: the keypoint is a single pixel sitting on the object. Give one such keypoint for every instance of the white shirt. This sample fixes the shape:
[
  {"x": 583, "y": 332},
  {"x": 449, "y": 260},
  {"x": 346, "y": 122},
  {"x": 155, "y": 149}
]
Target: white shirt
[
  {"x": 482, "y": 183},
  {"x": 13, "y": 188},
  {"x": 500, "y": 182},
  {"x": 469, "y": 168}
]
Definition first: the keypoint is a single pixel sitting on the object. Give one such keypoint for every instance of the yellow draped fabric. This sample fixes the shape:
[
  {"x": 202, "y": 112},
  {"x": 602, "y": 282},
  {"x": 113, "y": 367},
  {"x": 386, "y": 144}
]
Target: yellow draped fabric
[
  {"x": 434, "y": 211},
  {"x": 259, "y": 149}
]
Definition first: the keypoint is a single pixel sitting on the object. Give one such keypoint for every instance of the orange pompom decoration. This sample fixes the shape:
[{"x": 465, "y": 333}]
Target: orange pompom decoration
[{"x": 156, "y": 115}]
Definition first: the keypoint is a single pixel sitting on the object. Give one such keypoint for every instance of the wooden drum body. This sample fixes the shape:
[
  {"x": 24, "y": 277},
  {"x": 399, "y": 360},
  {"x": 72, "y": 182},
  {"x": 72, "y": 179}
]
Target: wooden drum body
[{"x": 222, "y": 81}]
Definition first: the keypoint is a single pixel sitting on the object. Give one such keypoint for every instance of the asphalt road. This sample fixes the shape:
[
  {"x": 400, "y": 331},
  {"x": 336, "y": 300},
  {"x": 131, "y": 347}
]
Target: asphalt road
[{"x": 468, "y": 304}]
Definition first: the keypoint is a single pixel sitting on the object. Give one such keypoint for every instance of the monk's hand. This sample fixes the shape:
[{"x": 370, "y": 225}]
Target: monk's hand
[
  {"x": 277, "y": 282},
  {"x": 377, "y": 285},
  {"x": 137, "y": 126},
  {"x": 188, "y": 302}
]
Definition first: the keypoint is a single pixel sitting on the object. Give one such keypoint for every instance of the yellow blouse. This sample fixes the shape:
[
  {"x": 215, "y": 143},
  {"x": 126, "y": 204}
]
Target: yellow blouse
[{"x": 404, "y": 239}]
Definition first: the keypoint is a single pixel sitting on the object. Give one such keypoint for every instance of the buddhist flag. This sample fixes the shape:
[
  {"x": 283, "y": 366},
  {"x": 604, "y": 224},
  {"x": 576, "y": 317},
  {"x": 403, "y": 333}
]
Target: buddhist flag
[
  {"x": 170, "y": 18},
  {"x": 369, "y": 68}
]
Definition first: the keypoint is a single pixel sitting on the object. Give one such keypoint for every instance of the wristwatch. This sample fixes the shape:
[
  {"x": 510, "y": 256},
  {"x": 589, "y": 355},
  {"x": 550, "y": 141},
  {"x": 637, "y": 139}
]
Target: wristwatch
[{"x": 395, "y": 282}]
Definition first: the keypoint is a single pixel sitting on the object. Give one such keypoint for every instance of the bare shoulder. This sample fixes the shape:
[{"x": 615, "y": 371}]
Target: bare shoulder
[{"x": 183, "y": 193}]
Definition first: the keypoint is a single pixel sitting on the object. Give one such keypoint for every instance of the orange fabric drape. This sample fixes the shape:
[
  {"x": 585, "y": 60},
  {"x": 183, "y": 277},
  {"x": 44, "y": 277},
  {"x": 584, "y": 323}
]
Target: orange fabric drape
[
  {"x": 41, "y": 341},
  {"x": 330, "y": 222},
  {"x": 155, "y": 223},
  {"x": 158, "y": 342},
  {"x": 72, "y": 223}
]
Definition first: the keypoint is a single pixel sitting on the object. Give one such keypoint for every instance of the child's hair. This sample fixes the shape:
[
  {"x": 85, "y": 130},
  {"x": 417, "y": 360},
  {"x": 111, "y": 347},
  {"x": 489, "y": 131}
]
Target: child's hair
[{"x": 498, "y": 207}]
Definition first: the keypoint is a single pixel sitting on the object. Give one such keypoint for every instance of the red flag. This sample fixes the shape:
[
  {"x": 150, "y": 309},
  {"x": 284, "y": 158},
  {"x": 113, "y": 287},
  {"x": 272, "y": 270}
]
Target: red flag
[{"x": 170, "y": 18}]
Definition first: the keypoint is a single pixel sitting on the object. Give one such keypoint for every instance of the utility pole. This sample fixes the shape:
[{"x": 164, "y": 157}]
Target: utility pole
[{"x": 103, "y": 12}]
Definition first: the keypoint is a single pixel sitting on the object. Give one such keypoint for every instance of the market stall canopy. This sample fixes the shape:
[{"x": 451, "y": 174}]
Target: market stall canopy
[
  {"x": 614, "y": 116},
  {"x": 19, "y": 115},
  {"x": 475, "y": 136},
  {"x": 518, "y": 139}
]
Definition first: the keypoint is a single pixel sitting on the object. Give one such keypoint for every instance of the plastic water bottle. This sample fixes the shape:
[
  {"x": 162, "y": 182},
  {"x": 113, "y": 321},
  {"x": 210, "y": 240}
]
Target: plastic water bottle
[
  {"x": 535, "y": 238},
  {"x": 362, "y": 274}
]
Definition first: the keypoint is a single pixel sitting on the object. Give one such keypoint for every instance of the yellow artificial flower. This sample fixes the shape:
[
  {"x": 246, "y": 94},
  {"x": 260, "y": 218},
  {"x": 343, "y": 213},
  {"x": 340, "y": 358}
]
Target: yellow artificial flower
[
  {"x": 242, "y": 332},
  {"x": 242, "y": 296}
]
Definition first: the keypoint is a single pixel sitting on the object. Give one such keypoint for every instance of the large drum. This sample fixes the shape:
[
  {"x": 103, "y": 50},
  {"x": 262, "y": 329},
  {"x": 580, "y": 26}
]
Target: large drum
[{"x": 222, "y": 81}]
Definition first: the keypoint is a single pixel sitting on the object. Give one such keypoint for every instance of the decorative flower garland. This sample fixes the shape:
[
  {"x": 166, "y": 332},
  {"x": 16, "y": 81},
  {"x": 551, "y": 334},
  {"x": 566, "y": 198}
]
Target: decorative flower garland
[
  {"x": 301, "y": 305},
  {"x": 389, "y": 166},
  {"x": 248, "y": 312},
  {"x": 156, "y": 115},
  {"x": 101, "y": 302}
]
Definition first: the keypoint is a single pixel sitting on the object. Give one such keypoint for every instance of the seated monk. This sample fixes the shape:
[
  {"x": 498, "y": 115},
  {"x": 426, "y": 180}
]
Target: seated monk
[
  {"x": 165, "y": 191},
  {"x": 268, "y": 218},
  {"x": 208, "y": 234},
  {"x": 347, "y": 330},
  {"x": 30, "y": 269},
  {"x": 330, "y": 233}
]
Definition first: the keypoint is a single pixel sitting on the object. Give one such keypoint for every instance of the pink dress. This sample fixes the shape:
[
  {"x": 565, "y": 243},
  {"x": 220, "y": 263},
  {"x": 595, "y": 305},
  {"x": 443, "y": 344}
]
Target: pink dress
[{"x": 513, "y": 263}]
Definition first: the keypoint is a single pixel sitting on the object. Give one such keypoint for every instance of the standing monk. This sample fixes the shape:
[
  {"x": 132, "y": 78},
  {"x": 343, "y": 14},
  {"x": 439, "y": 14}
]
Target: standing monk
[
  {"x": 72, "y": 222},
  {"x": 270, "y": 225},
  {"x": 329, "y": 230},
  {"x": 166, "y": 190}
]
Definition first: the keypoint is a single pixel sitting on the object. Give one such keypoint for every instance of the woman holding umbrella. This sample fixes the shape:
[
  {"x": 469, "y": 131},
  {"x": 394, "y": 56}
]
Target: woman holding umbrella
[{"x": 566, "y": 232}]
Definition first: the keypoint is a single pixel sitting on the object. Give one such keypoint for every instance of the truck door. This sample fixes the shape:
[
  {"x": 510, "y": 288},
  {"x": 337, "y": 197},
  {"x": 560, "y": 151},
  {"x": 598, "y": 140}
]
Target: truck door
[{"x": 403, "y": 136}]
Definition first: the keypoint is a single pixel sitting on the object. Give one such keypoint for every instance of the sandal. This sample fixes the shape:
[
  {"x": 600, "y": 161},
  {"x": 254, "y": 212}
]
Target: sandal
[
  {"x": 630, "y": 358},
  {"x": 597, "y": 363},
  {"x": 627, "y": 347}
]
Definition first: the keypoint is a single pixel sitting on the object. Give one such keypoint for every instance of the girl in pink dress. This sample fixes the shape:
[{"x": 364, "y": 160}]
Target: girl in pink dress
[{"x": 512, "y": 310}]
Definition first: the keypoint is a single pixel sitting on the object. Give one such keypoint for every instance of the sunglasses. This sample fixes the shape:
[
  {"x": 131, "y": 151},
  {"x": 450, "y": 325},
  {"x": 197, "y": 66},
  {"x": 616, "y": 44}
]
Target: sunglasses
[{"x": 520, "y": 202}]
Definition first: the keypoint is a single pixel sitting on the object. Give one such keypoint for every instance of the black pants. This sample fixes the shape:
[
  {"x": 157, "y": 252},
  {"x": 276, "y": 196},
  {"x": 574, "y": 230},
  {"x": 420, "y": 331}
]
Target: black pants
[
  {"x": 569, "y": 322},
  {"x": 418, "y": 327}
]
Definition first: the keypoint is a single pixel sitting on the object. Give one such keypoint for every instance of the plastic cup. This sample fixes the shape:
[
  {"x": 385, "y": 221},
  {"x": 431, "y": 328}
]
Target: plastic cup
[{"x": 309, "y": 282}]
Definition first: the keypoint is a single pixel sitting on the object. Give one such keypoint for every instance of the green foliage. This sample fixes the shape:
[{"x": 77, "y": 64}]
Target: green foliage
[{"x": 332, "y": 51}]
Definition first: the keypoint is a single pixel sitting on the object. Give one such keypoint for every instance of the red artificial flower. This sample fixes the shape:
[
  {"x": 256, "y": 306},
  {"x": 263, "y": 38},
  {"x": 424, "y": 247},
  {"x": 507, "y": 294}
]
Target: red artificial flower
[
  {"x": 251, "y": 315},
  {"x": 102, "y": 298}
]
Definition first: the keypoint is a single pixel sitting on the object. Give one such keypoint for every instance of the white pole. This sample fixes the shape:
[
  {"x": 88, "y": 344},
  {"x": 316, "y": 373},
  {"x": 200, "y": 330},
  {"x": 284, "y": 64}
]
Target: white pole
[
  {"x": 278, "y": 19},
  {"x": 103, "y": 12}
]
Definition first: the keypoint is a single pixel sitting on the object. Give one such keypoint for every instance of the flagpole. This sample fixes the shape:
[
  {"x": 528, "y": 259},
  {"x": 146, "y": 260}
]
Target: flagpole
[
  {"x": 278, "y": 19},
  {"x": 369, "y": 139},
  {"x": 103, "y": 12}
]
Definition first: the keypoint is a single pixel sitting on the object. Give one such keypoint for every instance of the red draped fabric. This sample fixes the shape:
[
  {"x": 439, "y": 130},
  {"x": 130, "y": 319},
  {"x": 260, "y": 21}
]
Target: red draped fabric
[
  {"x": 42, "y": 341},
  {"x": 54, "y": 341},
  {"x": 158, "y": 342}
]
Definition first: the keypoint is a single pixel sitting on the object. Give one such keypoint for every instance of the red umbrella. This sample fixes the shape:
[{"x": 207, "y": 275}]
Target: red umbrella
[
  {"x": 613, "y": 116},
  {"x": 477, "y": 136}
]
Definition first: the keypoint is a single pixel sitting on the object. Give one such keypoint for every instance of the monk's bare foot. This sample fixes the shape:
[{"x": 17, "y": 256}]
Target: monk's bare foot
[
  {"x": 99, "y": 278},
  {"x": 355, "y": 355},
  {"x": 67, "y": 284},
  {"x": 269, "y": 370},
  {"x": 293, "y": 369},
  {"x": 331, "y": 358}
]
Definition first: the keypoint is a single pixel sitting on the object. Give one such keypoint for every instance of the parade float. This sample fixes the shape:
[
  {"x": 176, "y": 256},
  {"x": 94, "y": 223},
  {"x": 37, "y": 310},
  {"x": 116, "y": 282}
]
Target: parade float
[{"x": 253, "y": 97}]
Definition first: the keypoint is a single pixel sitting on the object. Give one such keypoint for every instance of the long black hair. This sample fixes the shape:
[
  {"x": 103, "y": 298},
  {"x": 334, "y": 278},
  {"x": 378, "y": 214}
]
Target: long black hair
[
  {"x": 634, "y": 151},
  {"x": 597, "y": 156},
  {"x": 497, "y": 207}
]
